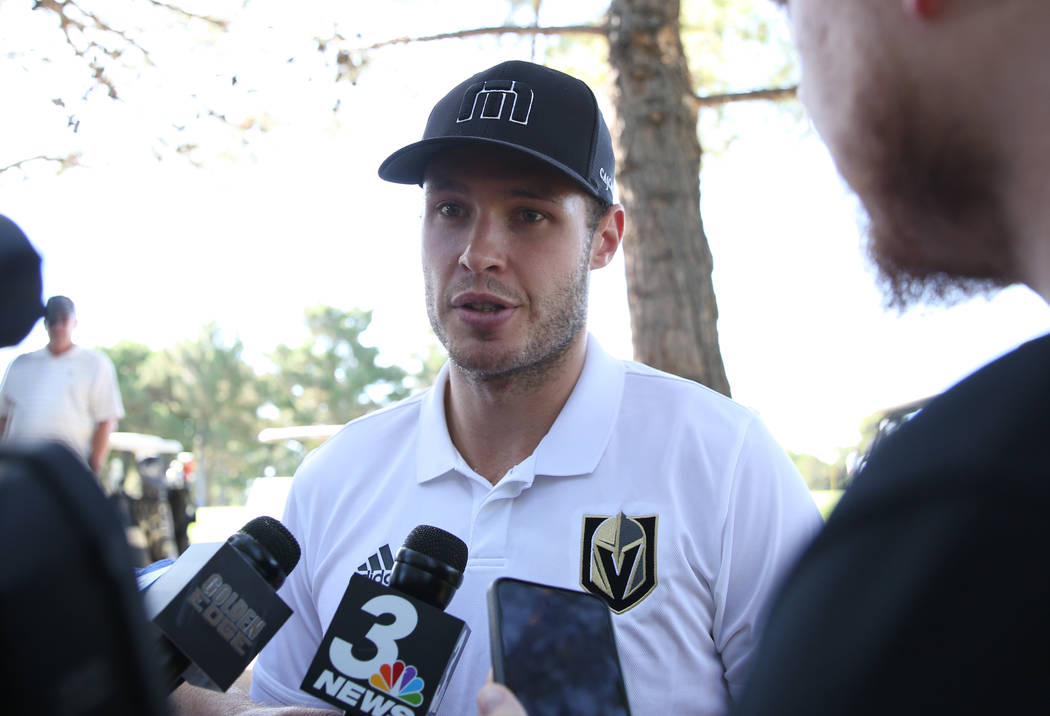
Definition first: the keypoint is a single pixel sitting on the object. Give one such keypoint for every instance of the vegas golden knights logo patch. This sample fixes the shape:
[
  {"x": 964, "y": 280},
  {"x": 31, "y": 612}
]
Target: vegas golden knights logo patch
[{"x": 618, "y": 559}]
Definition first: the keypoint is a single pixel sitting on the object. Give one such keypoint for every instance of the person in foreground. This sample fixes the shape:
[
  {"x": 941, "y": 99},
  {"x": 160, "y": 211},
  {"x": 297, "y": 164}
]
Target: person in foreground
[
  {"x": 62, "y": 392},
  {"x": 927, "y": 591},
  {"x": 546, "y": 455}
]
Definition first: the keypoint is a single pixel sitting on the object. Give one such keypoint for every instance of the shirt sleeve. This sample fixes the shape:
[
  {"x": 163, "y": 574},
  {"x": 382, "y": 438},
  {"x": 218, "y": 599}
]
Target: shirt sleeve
[
  {"x": 106, "y": 403},
  {"x": 770, "y": 518},
  {"x": 6, "y": 398}
]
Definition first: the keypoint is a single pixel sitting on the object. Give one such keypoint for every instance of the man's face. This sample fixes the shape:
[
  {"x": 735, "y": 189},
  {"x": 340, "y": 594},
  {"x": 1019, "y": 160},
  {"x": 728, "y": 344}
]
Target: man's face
[
  {"x": 924, "y": 173},
  {"x": 506, "y": 259},
  {"x": 60, "y": 331}
]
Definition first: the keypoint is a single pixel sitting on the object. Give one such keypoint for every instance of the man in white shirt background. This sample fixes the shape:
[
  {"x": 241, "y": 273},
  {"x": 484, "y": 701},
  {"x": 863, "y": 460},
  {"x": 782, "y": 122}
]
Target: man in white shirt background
[{"x": 62, "y": 392}]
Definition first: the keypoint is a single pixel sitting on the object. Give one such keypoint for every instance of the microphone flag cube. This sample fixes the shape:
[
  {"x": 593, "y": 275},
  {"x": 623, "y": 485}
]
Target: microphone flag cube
[
  {"x": 217, "y": 609},
  {"x": 385, "y": 652}
]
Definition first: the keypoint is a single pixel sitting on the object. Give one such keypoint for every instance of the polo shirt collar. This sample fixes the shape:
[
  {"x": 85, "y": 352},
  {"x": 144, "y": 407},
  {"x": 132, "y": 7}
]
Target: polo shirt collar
[
  {"x": 573, "y": 446},
  {"x": 437, "y": 455}
]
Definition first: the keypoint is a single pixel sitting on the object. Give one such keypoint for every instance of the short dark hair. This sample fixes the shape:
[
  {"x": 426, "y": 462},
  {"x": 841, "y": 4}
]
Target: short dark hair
[
  {"x": 58, "y": 308},
  {"x": 596, "y": 209}
]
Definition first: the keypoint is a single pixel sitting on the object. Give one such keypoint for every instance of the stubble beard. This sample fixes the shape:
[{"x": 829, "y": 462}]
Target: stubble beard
[
  {"x": 937, "y": 232},
  {"x": 563, "y": 316}
]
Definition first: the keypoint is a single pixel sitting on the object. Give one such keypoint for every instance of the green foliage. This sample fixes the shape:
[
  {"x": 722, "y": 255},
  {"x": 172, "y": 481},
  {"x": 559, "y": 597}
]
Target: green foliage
[
  {"x": 204, "y": 394},
  {"x": 200, "y": 393},
  {"x": 332, "y": 377},
  {"x": 214, "y": 391},
  {"x": 143, "y": 397},
  {"x": 826, "y": 500},
  {"x": 820, "y": 475},
  {"x": 736, "y": 45},
  {"x": 430, "y": 362}
]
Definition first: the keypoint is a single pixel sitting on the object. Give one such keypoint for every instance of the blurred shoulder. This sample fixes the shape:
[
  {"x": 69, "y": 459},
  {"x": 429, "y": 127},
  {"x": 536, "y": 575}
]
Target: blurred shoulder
[{"x": 680, "y": 396}]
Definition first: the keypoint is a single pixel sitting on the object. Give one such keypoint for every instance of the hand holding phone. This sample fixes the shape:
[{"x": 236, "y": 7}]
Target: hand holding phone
[{"x": 555, "y": 649}]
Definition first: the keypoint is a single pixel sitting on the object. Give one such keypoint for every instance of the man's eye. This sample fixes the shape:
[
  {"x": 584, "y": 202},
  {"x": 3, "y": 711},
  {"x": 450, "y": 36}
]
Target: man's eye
[
  {"x": 531, "y": 216},
  {"x": 450, "y": 210}
]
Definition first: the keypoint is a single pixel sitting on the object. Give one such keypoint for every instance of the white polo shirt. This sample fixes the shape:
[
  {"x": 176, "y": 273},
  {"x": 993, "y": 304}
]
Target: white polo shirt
[
  {"x": 723, "y": 509},
  {"x": 63, "y": 397}
]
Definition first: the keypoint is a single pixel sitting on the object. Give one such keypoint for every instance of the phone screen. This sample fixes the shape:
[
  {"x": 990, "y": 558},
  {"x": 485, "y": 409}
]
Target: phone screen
[{"x": 555, "y": 649}]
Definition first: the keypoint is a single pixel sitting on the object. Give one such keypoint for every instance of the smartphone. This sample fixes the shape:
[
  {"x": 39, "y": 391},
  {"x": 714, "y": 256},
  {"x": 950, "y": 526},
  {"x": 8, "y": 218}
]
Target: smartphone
[{"x": 555, "y": 649}]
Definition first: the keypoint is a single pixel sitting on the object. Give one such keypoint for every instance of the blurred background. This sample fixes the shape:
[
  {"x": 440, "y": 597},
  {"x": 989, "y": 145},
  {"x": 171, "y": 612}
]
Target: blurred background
[{"x": 200, "y": 178}]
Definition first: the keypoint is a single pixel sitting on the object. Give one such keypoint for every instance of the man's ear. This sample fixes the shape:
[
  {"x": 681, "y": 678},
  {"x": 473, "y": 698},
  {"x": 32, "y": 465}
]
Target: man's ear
[
  {"x": 607, "y": 236},
  {"x": 925, "y": 9}
]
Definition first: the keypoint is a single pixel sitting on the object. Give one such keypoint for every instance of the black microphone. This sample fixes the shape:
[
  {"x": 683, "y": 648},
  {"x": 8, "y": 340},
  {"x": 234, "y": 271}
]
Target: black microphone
[
  {"x": 429, "y": 566},
  {"x": 216, "y": 606},
  {"x": 392, "y": 649}
]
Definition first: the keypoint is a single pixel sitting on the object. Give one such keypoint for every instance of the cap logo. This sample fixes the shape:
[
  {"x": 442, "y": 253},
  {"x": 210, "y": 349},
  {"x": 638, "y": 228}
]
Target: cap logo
[{"x": 492, "y": 99}]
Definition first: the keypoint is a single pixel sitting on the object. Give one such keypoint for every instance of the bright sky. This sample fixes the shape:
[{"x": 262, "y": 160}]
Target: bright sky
[{"x": 152, "y": 250}]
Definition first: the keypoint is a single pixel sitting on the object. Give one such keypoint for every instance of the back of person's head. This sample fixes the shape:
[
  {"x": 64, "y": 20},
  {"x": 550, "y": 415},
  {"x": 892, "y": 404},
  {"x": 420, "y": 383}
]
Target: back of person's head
[{"x": 20, "y": 284}]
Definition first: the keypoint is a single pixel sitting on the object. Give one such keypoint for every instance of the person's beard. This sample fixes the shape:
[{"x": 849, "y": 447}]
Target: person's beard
[
  {"x": 937, "y": 232},
  {"x": 547, "y": 342}
]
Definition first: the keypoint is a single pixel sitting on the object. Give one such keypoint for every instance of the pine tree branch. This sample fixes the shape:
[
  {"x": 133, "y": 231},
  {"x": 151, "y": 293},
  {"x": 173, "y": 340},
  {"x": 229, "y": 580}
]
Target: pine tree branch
[
  {"x": 214, "y": 21},
  {"x": 715, "y": 100},
  {"x": 64, "y": 162},
  {"x": 85, "y": 20},
  {"x": 774, "y": 94},
  {"x": 65, "y": 21},
  {"x": 475, "y": 32}
]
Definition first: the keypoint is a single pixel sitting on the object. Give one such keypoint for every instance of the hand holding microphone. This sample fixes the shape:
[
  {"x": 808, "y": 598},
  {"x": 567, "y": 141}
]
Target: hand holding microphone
[{"x": 392, "y": 649}]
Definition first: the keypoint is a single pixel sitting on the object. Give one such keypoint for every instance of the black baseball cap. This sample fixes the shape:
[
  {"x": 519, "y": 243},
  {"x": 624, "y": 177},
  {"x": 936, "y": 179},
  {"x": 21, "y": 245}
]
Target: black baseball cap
[
  {"x": 544, "y": 113},
  {"x": 58, "y": 308}
]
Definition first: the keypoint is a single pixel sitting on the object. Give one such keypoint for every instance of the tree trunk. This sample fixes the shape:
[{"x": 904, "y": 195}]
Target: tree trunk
[{"x": 670, "y": 294}]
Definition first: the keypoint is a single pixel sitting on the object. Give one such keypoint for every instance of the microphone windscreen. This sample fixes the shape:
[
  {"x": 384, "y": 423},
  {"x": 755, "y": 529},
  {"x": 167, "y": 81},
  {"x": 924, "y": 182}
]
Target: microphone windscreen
[
  {"x": 438, "y": 544},
  {"x": 276, "y": 539}
]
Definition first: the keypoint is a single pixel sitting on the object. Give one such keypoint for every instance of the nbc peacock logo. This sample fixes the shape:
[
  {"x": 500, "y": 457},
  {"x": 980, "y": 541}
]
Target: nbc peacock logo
[{"x": 400, "y": 681}]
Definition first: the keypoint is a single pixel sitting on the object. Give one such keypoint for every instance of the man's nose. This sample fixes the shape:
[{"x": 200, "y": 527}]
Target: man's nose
[{"x": 486, "y": 246}]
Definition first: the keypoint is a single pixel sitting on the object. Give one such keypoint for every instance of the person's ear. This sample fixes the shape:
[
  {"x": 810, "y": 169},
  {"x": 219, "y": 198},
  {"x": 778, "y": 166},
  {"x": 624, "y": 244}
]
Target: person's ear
[{"x": 607, "y": 236}]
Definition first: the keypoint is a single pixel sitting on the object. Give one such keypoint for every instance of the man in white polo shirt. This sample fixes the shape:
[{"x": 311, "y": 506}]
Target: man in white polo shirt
[
  {"x": 62, "y": 392},
  {"x": 534, "y": 446}
]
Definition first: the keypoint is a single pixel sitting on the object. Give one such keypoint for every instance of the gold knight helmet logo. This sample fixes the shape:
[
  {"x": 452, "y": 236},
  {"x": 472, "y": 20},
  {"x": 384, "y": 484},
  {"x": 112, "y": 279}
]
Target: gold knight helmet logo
[{"x": 618, "y": 559}]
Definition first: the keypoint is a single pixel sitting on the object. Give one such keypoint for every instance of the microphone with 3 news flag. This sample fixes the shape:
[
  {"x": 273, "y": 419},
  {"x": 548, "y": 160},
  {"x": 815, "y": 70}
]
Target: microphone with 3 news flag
[{"x": 392, "y": 649}]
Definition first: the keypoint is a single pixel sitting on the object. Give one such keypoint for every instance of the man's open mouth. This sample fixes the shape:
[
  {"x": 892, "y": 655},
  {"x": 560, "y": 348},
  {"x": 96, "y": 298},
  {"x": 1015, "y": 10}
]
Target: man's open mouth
[{"x": 484, "y": 307}]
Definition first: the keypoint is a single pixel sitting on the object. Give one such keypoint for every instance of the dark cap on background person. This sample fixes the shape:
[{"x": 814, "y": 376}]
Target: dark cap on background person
[
  {"x": 530, "y": 108},
  {"x": 58, "y": 308}
]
